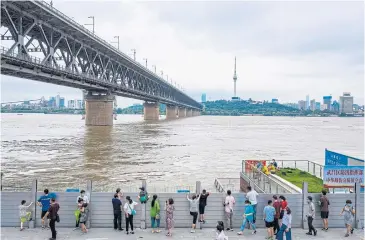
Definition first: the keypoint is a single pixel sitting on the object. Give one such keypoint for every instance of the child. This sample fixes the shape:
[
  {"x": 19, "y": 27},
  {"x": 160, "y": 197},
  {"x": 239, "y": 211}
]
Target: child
[
  {"x": 248, "y": 218},
  {"x": 143, "y": 195},
  {"x": 83, "y": 217},
  {"x": 23, "y": 214},
  {"x": 220, "y": 235}
]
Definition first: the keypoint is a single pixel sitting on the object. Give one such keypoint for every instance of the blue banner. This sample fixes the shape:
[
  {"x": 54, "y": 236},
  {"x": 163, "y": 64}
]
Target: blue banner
[
  {"x": 342, "y": 176},
  {"x": 337, "y": 159}
]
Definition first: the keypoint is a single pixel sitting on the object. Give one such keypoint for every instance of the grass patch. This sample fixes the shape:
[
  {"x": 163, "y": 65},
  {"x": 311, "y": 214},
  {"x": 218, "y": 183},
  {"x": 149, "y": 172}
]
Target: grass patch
[{"x": 297, "y": 177}]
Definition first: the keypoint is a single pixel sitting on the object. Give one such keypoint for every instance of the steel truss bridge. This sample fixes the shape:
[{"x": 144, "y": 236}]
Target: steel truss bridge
[{"x": 74, "y": 56}]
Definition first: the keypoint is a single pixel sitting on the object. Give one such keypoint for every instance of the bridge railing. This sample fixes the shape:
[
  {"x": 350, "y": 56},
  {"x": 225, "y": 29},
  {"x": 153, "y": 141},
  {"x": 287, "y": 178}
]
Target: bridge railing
[
  {"x": 262, "y": 181},
  {"x": 311, "y": 167},
  {"x": 51, "y": 8}
]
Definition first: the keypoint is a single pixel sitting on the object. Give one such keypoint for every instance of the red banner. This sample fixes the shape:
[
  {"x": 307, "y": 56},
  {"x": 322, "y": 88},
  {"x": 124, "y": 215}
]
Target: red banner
[{"x": 249, "y": 163}]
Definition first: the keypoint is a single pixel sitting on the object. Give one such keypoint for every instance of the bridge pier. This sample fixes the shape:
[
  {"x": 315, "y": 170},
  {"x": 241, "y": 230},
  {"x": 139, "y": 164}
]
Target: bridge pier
[
  {"x": 189, "y": 112},
  {"x": 171, "y": 112},
  {"x": 151, "y": 111},
  {"x": 99, "y": 110},
  {"x": 182, "y": 112}
]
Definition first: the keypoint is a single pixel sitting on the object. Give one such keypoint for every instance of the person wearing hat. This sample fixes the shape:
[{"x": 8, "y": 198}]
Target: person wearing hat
[
  {"x": 310, "y": 216},
  {"x": 143, "y": 195}
]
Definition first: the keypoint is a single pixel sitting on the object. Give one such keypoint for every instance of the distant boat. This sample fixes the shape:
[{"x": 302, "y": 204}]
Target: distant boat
[{"x": 20, "y": 114}]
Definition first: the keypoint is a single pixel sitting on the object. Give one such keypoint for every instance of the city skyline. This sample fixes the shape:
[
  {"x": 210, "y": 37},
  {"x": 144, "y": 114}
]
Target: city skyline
[{"x": 201, "y": 61}]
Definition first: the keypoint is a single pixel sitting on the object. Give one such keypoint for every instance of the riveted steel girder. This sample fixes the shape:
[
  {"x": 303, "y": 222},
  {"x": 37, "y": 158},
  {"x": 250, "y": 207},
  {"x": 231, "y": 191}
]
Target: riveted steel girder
[{"x": 73, "y": 53}]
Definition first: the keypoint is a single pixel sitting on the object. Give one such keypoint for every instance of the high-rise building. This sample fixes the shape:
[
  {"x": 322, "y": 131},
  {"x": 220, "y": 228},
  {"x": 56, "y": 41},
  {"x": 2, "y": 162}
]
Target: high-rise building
[
  {"x": 274, "y": 100},
  {"x": 307, "y": 102},
  {"x": 62, "y": 102},
  {"x": 234, "y": 80},
  {"x": 71, "y": 104},
  {"x": 204, "y": 98},
  {"x": 346, "y": 102},
  {"x": 52, "y": 102},
  {"x": 318, "y": 106},
  {"x": 78, "y": 104},
  {"x": 327, "y": 100},
  {"x": 323, "y": 107},
  {"x": 302, "y": 105},
  {"x": 58, "y": 101},
  {"x": 335, "y": 106},
  {"x": 313, "y": 105}
]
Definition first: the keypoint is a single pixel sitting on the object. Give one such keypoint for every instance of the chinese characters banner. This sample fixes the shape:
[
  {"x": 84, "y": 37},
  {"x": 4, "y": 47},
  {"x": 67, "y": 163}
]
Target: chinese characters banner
[{"x": 343, "y": 176}]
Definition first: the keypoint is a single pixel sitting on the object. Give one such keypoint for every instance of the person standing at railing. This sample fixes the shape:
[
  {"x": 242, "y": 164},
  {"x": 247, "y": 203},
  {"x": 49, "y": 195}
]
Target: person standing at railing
[
  {"x": 324, "y": 202},
  {"x": 228, "y": 207},
  {"x": 349, "y": 215},
  {"x": 277, "y": 206},
  {"x": 252, "y": 197},
  {"x": 117, "y": 210},
  {"x": 155, "y": 214},
  {"x": 203, "y": 204},
  {"x": 169, "y": 208},
  {"x": 310, "y": 216},
  {"x": 269, "y": 213},
  {"x": 193, "y": 210},
  {"x": 285, "y": 226},
  {"x": 284, "y": 205},
  {"x": 130, "y": 212}
]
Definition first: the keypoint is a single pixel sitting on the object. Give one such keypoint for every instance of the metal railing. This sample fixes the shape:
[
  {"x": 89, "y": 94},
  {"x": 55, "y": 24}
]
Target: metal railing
[
  {"x": 55, "y": 10},
  {"x": 224, "y": 184},
  {"x": 262, "y": 181}
]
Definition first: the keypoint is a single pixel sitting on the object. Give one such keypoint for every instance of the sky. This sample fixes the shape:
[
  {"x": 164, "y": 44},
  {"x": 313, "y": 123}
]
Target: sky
[{"x": 284, "y": 50}]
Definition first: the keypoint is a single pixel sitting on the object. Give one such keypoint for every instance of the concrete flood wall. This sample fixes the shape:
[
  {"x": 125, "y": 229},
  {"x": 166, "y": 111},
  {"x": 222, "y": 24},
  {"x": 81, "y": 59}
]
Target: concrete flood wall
[{"x": 101, "y": 212}]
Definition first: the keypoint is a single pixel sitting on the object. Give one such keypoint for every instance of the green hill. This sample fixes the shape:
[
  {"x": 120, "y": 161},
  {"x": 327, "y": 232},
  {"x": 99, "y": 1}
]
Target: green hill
[{"x": 229, "y": 108}]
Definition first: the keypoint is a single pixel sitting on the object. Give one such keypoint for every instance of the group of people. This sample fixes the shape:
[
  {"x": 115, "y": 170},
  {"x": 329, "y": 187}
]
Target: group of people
[
  {"x": 276, "y": 214},
  {"x": 271, "y": 168}
]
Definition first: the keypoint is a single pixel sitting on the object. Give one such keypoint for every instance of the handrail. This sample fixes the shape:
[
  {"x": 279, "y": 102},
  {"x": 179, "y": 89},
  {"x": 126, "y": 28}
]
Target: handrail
[
  {"x": 51, "y": 8},
  {"x": 266, "y": 179}
]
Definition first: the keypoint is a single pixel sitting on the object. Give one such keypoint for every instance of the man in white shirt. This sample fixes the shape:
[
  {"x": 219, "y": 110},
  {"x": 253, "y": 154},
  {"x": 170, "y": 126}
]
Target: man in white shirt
[
  {"x": 229, "y": 204},
  {"x": 83, "y": 196},
  {"x": 252, "y": 197}
]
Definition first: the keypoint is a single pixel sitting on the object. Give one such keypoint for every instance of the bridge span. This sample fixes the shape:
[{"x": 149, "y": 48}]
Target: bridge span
[{"x": 50, "y": 47}]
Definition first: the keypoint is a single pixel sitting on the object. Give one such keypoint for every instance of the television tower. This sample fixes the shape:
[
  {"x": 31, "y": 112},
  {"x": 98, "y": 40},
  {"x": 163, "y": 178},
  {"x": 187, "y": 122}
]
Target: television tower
[{"x": 234, "y": 77}]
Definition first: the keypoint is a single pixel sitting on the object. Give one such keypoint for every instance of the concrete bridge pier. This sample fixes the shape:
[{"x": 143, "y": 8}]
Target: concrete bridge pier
[
  {"x": 171, "y": 112},
  {"x": 189, "y": 112},
  {"x": 151, "y": 111},
  {"x": 182, "y": 112},
  {"x": 99, "y": 109}
]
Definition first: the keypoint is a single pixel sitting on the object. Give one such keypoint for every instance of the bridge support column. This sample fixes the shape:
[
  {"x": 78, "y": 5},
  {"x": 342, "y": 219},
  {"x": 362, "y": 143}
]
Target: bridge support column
[
  {"x": 151, "y": 111},
  {"x": 182, "y": 112},
  {"x": 171, "y": 112},
  {"x": 99, "y": 110},
  {"x": 189, "y": 112}
]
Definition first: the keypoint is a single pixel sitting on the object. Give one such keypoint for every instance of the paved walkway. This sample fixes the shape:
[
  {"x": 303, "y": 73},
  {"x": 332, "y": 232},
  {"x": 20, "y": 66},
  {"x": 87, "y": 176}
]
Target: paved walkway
[{"x": 180, "y": 233}]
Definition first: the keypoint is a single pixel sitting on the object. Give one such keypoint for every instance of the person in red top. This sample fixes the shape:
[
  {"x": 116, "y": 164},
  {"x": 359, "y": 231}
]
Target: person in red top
[
  {"x": 277, "y": 206},
  {"x": 284, "y": 204}
]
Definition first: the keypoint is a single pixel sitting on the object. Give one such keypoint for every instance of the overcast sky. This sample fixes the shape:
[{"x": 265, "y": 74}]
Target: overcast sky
[{"x": 284, "y": 50}]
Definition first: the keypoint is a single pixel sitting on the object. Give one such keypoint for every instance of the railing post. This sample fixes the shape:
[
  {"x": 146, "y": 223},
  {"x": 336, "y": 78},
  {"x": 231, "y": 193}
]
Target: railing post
[
  {"x": 143, "y": 208},
  {"x": 198, "y": 187},
  {"x": 357, "y": 206},
  {"x": 32, "y": 224},
  {"x": 308, "y": 166},
  {"x": 88, "y": 193},
  {"x": 314, "y": 169},
  {"x": 320, "y": 171},
  {"x": 304, "y": 199},
  {"x": 295, "y": 164}
]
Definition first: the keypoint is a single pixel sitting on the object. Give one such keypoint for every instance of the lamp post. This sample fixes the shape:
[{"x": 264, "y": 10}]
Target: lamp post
[
  {"x": 134, "y": 53},
  {"x": 93, "y": 24},
  {"x": 154, "y": 66},
  {"x": 145, "y": 61},
  {"x": 162, "y": 74},
  {"x": 117, "y": 37}
]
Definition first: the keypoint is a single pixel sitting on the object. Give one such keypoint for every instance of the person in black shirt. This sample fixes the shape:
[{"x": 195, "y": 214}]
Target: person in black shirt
[
  {"x": 53, "y": 215},
  {"x": 117, "y": 209},
  {"x": 202, "y": 204}
]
